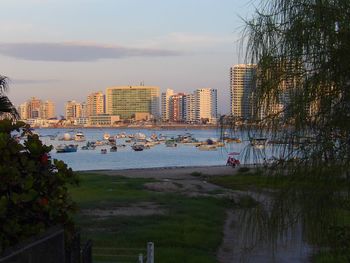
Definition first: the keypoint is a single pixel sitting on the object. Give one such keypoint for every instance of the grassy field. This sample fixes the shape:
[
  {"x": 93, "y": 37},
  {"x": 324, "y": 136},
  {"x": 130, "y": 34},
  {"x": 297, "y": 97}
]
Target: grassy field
[{"x": 189, "y": 230}]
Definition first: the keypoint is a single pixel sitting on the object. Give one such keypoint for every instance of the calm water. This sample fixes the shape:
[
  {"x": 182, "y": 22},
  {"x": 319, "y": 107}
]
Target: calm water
[{"x": 124, "y": 158}]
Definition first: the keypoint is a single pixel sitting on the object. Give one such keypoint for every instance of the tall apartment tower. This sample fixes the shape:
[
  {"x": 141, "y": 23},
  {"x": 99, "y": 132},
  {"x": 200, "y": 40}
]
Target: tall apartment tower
[
  {"x": 127, "y": 101},
  {"x": 176, "y": 107},
  {"x": 23, "y": 111},
  {"x": 34, "y": 108},
  {"x": 242, "y": 83},
  {"x": 165, "y": 104},
  {"x": 189, "y": 108},
  {"x": 72, "y": 110},
  {"x": 206, "y": 105},
  {"x": 95, "y": 104},
  {"x": 48, "y": 110}
]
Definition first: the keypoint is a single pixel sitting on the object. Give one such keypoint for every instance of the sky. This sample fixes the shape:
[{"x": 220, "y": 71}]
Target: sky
[{"x": 65, "y": 49}]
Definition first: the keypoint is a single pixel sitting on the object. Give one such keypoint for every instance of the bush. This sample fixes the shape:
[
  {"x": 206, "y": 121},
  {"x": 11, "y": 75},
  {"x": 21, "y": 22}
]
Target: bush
[{"x": 33, "y": 188}]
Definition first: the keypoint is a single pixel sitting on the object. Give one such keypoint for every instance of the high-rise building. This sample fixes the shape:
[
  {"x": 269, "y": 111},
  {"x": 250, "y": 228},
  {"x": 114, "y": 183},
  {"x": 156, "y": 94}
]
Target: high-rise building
[
  {"x": 126, "y": 101},
  {"x": 48, "y": 110},
  {"x": 242, "y": 85},
  {"x": 34, "y": 108},
  {"x": 95, "y": 104},
  {"x": 206, "y": 105},
  {"x": 84, "y": 110},
  {"x": 165, "y": 102},
  {"x": 176, "y": 107},
  {"x": 189, "y": 108},
  {"x": 72, "y": 110},
  {"x": 23, "y": 111}
]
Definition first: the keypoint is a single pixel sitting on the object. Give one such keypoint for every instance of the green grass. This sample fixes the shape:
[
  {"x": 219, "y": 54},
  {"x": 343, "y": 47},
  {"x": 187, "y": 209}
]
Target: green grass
[
  {"x": 190, "y": 230},
  {"x": 245, "y": 181}
]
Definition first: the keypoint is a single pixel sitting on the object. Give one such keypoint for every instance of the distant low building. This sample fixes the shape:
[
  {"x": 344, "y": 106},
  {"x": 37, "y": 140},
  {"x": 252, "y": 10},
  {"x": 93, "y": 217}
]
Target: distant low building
[
  {"x": 81, "y": 121},
  {"x": 142, "y": 116},
  {"x": 103, "y": 120}
]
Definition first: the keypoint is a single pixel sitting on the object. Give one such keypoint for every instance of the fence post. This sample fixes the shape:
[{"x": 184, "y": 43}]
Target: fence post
[
  {"x": 150, "y": 252},
  {"x": 140, "y": 258}
]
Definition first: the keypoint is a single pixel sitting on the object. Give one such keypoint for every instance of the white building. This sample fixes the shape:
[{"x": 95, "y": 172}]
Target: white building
[
  {"x": 165, "y": 104},
  {"x": 206, "y": 105},
  {"x": 189, "y": 108}
]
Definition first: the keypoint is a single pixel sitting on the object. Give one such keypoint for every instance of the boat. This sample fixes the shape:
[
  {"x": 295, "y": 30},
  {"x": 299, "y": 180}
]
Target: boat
[
  {"x": 171, "y": 143},
  {"x": 79, "y": 137},
  {"x": 63, "y": 148},
  {"x": 65, "y": 137},
  {"x": 111, "y": 140},
  {"x": 138, "y": 147},
  {"x": 113, "y": 149},
  {"x": 106, "y": 136},
  {"x": 258, "y": 142},
  {"x": 139, "y": 136},
  {"x": 89, "y": 146},
  {"x": 186, "y": 138},
  {"x": 100, "y": 143},
  {"x": 207, "y": 147},
  {"x": 103, "y": 151}
]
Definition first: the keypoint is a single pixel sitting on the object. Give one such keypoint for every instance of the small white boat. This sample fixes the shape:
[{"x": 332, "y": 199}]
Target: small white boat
[
  {"x": 79, "y": 137},
  {"x": 207, "y": 148},
  {"x": 258, "y": 142},
  {"x": 106, "y": 136}
]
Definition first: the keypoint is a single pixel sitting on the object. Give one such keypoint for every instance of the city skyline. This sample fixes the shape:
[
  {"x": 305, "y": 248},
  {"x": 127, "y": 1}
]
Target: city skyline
[
  {"x": 180, "y": 45},
  {"x": 136, "y": 103}
]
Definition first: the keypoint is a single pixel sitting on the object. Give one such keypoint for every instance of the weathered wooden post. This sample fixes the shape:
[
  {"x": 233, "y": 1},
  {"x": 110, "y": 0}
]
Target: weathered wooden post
[
  {"x": 141, "y": 258},
  {"x": 150, "y": 252}
]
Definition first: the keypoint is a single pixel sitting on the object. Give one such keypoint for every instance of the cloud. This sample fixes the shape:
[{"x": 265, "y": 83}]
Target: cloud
[
  {"x": 70, "y": 52},
  {"x": 185, "y": 40}
]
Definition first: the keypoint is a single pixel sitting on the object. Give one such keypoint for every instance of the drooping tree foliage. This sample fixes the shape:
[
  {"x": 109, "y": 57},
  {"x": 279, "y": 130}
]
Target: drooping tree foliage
[
  {"x": 302, "y": 104},
  {"x": 6, "y": 106},
  {"x": 302, "y": 52}
]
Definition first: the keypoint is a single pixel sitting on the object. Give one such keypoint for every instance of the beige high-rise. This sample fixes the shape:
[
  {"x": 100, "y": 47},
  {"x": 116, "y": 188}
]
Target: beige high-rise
[
  {"x": 95, "y": 104},
  {"x": 73, "y": 110},
  {"x": 242, "y": 84},
  {"x": 48, "y": 110}
]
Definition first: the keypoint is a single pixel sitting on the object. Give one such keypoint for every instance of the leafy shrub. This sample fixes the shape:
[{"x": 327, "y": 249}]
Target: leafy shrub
[{"x": 33, "y": 188}]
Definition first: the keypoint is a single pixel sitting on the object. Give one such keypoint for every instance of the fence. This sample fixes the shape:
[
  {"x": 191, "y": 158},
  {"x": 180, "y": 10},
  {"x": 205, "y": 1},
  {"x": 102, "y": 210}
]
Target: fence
[{"x": 47, "y": 247}]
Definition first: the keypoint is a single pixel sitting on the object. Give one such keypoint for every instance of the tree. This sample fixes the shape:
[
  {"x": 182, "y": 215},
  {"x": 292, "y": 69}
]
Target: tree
[
  {"x": 33, "y": 188},
  {"x": 302, "y": 52},
  {"x": 6, "y": 106}
]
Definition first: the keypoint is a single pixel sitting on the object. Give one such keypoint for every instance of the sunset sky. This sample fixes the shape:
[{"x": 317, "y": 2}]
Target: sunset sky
[{"x": 65, "y": 49}]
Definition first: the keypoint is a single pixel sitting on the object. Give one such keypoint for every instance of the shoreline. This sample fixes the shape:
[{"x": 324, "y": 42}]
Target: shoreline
[{"x": 161, "y": 127}]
